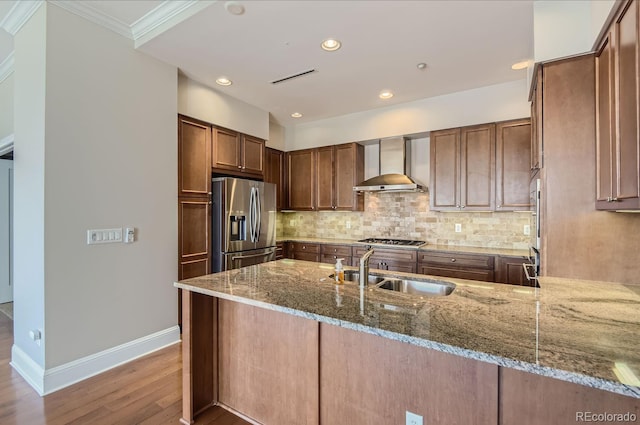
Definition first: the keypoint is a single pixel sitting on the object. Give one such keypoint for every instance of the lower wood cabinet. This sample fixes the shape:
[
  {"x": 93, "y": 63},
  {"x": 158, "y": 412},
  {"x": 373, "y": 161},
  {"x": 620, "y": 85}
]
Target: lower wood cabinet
[
  {"x": 330, "y": 253},
  {"x": 397, "y": 260},
  {"x": 304, "y": 251},
  {"x": 462, "y": 266},
  {"x": 510, "y": 270}
]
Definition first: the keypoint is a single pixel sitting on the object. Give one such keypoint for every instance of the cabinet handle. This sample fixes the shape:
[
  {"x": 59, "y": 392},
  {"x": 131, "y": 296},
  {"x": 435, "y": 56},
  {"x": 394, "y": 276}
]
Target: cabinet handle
[{"x": 453, "y": 260}]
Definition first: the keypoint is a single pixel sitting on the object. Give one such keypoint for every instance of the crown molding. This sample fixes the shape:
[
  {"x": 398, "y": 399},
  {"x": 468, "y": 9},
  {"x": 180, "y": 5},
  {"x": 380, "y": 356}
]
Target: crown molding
[
  {"x": 90, "y": 13},
  {"x": 166, "y": 15},
  {"x": 19, "y": 15},
  {"x": 6, "y": 67}
]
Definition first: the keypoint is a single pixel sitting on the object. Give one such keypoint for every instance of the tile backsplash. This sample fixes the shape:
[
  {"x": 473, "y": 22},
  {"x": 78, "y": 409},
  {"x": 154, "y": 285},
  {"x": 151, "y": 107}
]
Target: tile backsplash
[{"x": 407, "y": 216}]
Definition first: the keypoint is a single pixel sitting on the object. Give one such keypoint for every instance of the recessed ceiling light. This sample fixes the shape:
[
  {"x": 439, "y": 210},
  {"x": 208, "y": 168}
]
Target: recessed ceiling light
[
  {"x": 296, "y": 115},
  {"x": 234, "y": 7},
  {"x": 520, "y": 65},
  {"x": 421, "y": 66},
  {"x": 224, "y": 81},
  {"x": 385, "y": 94},
  {"x": 331, "y": 45}
]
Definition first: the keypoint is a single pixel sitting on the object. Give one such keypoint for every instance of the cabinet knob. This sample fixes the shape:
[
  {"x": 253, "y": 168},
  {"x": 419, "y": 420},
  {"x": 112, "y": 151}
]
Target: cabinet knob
[
  {"x": 453, "y": 260},
  {"x": 240, "y": 166},
  {"x": 614, "y": 199},
  {"x": 304, "y": 247},
  {"x": 210, "y": 202},
  {"x": 499, "y": 206},
  {"x": 209, "y": 193},
  {"x": 462, "y": 206}
]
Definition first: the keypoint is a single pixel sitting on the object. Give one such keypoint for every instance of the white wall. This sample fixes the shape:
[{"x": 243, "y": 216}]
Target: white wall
[
  {"x": 202, "y": 102},
  {"x": 29, "y": 184},
  {"x": 6, "y": 202},
  {"x": 6, "y": 107},
  {"x": 103, "y": 153},
  {"x": 276, "y": 138},
  {"x": 485, "y": 104},
  {"x": 600, "y": 10}
]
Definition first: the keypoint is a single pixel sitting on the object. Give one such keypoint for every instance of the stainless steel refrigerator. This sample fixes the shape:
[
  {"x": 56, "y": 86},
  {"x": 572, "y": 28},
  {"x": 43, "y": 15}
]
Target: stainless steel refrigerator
[{"x": 244, "y": 223}]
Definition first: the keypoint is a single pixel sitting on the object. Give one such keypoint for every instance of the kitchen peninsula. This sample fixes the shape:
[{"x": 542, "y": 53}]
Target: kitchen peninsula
[{"x": 280, "y": 343}]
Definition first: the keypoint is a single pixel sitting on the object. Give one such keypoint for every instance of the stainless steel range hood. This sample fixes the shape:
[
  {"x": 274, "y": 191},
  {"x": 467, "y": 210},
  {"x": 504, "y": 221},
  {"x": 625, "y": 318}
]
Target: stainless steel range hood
[{"x": 395, "y": 167}]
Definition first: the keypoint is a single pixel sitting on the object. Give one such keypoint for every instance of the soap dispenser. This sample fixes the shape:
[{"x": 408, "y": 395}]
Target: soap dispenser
[{"x": 339, "y": 271}]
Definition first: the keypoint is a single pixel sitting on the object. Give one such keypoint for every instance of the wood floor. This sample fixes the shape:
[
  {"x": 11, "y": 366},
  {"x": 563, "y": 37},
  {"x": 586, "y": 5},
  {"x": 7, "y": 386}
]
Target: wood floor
[{"x": 145, "y": 391}]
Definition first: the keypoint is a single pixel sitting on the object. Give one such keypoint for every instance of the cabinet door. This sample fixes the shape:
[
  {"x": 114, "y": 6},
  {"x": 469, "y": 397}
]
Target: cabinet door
[
  {"x": 444, "y": 170},
  {"x": 301, "y": 179},
  {"x": 194, "y": 156},
  {"x": 325, "y": 195},
  {"x": 605, "y": 120},
  {"x": 477, "y": 167},
  {"x": 252, "y": 155},
  {"x": 510, "y": 270},
  {"x": 274, "y": 173},
  {"x": 193, "y": 227},
  {"x": 627, "y": 160},
  {"x": 226, "y": 150},
  {"x": 536, "y": 120},
  {"x": 513, "y": 159},
  {"x": 348, "y": 172}
]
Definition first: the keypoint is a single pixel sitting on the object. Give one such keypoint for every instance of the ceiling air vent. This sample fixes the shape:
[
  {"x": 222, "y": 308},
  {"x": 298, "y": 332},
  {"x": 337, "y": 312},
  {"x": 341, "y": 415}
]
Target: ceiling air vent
[{"x": 291, "y": 77}]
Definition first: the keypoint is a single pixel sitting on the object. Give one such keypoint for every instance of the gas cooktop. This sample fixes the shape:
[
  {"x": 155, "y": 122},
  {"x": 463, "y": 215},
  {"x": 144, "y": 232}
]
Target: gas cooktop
[{"x": 402, "y": 242}]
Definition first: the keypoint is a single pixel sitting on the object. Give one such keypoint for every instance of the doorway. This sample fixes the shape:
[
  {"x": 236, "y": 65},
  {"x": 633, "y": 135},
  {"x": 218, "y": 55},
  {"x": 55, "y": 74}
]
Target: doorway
[{"x": 6, "y": 236}]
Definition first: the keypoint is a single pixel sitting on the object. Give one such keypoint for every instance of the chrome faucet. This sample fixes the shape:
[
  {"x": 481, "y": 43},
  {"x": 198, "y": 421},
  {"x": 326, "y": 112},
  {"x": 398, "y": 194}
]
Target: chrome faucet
[{"x": 364, "y": 268}]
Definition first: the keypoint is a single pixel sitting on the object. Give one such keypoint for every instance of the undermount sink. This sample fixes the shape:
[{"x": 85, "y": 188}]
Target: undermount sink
[
  {"x": 426, "y": 287},
  {"x": 418, "y": 287},
  {"x": 354, "y": 276}
]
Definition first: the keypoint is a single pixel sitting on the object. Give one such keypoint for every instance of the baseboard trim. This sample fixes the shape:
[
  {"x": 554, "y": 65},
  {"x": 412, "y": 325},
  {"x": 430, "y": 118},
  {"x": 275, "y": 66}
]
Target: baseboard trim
[{"x": 56, "y": 378}]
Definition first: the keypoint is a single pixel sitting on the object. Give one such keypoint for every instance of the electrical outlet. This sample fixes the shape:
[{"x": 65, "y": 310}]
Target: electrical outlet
[
  {"x": 413, "y": 419},
  {"x": 526, "y": 230},
  {"x": 347, "y": 224},
  {"x": 458, "y": 227}
]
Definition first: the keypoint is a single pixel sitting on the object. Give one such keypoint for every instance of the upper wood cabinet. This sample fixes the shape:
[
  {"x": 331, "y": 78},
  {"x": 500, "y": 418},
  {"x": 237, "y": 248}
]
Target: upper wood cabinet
[
  {"x": 274, "y": 169},
  {"x": 513, "y": 152},
  {"x": 339, "y": 168},
  {"x": 463, "y": 169},
  {"x": 537, "y": 148},
  {"x": 194, "y": 157},
  {"x": 237, "y": 154},
  {"x": 618, "y": 113},
  {"x": 301, "y": 179},
  {"x": 323, "y": 178}
]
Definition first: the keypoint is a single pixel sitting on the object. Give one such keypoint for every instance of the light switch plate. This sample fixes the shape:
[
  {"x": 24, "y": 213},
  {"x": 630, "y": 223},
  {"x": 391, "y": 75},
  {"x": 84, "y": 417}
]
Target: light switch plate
[
  {"x": 458, "y": 227},
  {"x": 101, "y": 236},
  {"x": 413, "y": 419}
]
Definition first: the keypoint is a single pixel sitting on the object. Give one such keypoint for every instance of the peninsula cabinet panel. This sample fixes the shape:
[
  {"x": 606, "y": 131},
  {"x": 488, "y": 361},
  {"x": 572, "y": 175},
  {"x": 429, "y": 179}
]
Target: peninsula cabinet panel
[
  {"x": 618, "y": 110},
  {"x": 366, "y": 379},
  {"x": 301, "y": 184},
  {"x": 274, "y": 173},
  {"x": 194, "y": 156},
  {"x": 268, "y": 364},
  {"x": 513, "y": 159},
  {"x": 529, "y": 399}
]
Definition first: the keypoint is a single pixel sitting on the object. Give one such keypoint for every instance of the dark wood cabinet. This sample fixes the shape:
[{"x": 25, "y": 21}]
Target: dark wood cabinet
[
  {"x": 274, "y": 170},
  {"x": 194, "y": 158},
  {"x": 513, "y": 160},
  {"x": 301, "y": 179},
  {"x": 237, "y": 154},
  {"x": 398, "y": 260},
  {"x": 304, "y": 251},
  {"x": 323, "y": 178},
  {"x": 463, "y": 169},
  {"x": 458, "y": 265},
  {"x": 281, "y": 250},
  {"x": 510, "y": 270},
  {"x": 537, "y": 147},
  {"x": 617, "y": 112},
  {"x": 331, "y": 252}
]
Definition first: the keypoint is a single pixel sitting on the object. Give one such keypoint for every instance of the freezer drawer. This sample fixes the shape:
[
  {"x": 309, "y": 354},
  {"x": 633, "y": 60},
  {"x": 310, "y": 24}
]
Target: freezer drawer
[{"x": 236, "y": 260}]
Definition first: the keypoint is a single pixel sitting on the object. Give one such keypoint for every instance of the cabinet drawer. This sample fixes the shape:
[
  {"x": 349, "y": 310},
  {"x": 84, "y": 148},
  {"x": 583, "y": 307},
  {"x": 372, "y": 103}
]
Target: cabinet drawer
[
  {"x": 338, "y": 250},
  {"x": 306, "y": 256},
  {"x": 394, "y": 266},
  {"x": 381, "y": 254},
  {"x": 331, "y": 259},
  {"x": 305, "y": 247},
  {"x": 481, "y": 275},
  {"x": 453, "y": 260}
]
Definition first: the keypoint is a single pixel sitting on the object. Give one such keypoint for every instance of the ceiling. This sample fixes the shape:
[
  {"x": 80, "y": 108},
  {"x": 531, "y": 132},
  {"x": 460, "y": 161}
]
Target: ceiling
[{"x": 465, "y": 45}]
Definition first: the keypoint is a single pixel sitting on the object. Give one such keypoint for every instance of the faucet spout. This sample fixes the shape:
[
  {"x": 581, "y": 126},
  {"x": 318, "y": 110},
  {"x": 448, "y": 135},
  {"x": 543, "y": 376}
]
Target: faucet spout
[{"x": 364, "y": 268}]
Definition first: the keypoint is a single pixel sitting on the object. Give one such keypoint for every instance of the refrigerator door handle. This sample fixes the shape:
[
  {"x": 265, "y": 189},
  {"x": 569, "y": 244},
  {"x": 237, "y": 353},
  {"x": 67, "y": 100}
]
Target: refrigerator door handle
[
  {"x": 258, "y": 214},
  {"x": 252, "y": 215},
  {"x": 262, "y": 254}
]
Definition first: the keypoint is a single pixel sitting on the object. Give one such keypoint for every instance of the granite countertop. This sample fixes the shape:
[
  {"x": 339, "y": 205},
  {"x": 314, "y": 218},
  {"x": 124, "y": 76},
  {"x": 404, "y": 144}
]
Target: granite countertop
[
  {"x": 424, "y": 247},
  {"x": 582, "y": 332}
]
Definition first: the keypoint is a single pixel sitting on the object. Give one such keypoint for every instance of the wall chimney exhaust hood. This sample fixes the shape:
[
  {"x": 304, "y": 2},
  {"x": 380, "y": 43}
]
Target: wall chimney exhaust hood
[{"x": 395, "y": 167}]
